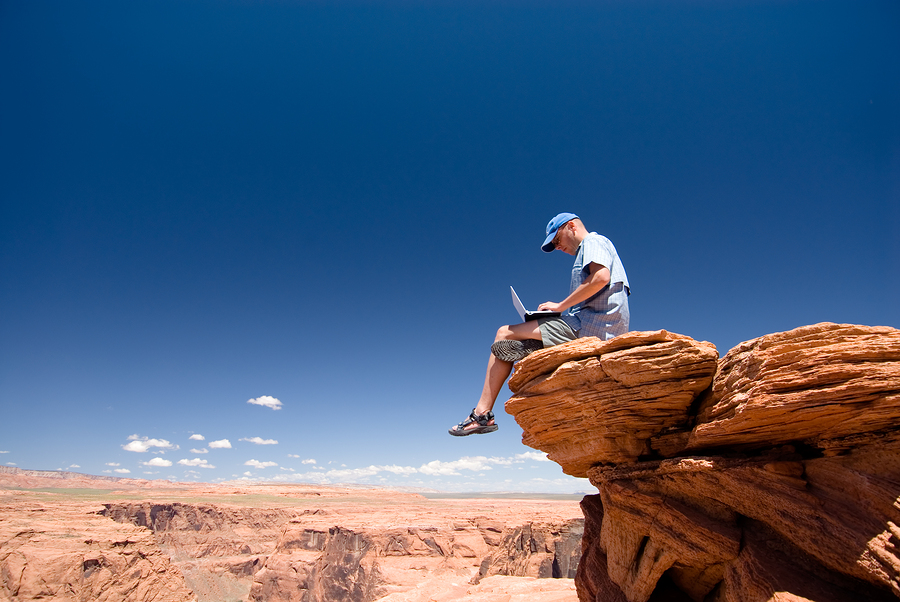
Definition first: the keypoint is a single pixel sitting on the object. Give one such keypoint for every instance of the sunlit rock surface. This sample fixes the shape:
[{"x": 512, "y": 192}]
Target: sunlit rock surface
[{"x": 771, "y": 475}]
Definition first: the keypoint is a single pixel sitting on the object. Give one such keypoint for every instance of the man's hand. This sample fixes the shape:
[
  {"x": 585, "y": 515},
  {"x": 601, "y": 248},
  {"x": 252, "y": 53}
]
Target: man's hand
[
  {"x": 597, "y": 279},
  {"x": 551, "y": 306}
]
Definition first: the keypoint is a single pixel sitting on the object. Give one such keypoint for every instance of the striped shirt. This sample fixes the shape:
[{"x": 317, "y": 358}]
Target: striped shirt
[{"x": 604, "y": 315}]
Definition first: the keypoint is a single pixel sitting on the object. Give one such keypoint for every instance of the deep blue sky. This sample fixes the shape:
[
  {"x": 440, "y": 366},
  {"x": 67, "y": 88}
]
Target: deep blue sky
[{"x": 209, "y": 202}]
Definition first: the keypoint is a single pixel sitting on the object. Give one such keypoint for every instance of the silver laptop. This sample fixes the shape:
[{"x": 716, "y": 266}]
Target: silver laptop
[{"x": 529, "y": 315}]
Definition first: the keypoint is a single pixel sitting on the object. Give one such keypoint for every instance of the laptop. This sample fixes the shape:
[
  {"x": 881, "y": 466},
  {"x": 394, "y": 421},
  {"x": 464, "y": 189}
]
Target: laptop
[{"x": 529, "y": 315}]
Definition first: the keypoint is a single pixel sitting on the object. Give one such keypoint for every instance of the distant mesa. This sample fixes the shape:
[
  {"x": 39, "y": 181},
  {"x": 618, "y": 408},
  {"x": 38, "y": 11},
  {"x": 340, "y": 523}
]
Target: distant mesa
[{"x": 773, "y": 469}]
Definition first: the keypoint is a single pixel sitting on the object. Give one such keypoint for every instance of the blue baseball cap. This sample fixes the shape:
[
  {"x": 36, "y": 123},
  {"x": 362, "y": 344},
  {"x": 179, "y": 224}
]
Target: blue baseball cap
[{"x": 555, "y": 224}]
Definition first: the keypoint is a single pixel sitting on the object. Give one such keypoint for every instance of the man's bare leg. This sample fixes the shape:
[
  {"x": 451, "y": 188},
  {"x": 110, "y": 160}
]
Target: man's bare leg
[{"x": 498, "y": 370}]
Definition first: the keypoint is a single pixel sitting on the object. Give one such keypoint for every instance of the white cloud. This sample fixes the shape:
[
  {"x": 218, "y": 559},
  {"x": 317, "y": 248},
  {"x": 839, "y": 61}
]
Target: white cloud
[
  {"x": 259, "y": 441},
  {"x": 200, "y": 451},
  {"x": 293, "y": 456},
  {"x": 533, "y": 455},
  {"x": 353, "y": 473},
  {"x": 196, "y": 462},
  {"x": 248, "y": 474},
  {"x": 288, "y": 469},
  {"x": 123, "y": 470},
  {"x": 157, "y": 462},
  {"x": 307, "y": 461},
  {"x": 258, "y": 464},
  {"x": 220, "y": 444},
  {"x": 399, "y": 469},
  {"x": 143, "y": 444},
  {"x": 113, "y": 464},
  {"x": 4, "y": 452},
  {"x": 11, "y": 464},
  {"x": 197, "y": 437},
  {"x": 74, "y": 466},
  {"x": 474, "y": 463},
  {"x": 265, "y": 400}
]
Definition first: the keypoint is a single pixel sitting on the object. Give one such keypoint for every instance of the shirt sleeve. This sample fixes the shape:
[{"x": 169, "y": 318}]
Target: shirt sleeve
[{"x": 595, "y": 251}]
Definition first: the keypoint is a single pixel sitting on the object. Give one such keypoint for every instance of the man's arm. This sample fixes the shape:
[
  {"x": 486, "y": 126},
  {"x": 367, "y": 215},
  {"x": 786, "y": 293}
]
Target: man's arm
[{"x": 598, "y": 278}]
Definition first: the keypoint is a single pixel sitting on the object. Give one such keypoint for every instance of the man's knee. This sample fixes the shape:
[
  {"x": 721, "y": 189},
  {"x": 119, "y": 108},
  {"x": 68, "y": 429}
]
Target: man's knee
[{"x": 504, "y": 333}]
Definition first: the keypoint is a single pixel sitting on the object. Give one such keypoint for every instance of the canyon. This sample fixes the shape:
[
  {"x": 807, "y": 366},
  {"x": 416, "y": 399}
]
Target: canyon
[{"x": 66, "y": 537}]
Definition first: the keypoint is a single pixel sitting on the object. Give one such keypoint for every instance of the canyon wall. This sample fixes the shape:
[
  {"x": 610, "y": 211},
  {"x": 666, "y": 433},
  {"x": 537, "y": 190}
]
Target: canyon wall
[
  {"x": 316, "y": 555},
  {"x": 279, "y": 544},
  {"x": 772, "y": 473}
]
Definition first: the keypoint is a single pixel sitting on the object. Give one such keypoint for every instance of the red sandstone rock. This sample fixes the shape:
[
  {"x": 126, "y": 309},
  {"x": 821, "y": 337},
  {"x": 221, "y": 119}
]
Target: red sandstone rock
[
  {"x": 72, "y": 554},
  {"x": 811, "y": 384},
  {"x": 786, "y": 489},
  {"x": 590, "y": 401}
]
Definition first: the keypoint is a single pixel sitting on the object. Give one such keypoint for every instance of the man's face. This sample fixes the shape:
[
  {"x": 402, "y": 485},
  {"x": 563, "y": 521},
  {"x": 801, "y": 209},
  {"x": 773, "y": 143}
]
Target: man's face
[{"x": 565, "y": 239}]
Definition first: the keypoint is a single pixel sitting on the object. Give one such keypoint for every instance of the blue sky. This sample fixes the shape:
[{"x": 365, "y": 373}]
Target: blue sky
[{"x": 324, "y": 204}]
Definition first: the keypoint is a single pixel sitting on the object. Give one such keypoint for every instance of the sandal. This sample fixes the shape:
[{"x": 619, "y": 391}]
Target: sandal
[{"x": 482, "y": 420}]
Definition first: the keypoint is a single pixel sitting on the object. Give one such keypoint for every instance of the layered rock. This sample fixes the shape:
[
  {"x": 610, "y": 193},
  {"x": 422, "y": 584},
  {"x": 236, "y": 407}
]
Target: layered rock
[
  {"x": 631, "y": 395},
  {"x": 71, "y": 554},
  {"x": 779, "y": 478},
  {"x": 357, "y": 551}
]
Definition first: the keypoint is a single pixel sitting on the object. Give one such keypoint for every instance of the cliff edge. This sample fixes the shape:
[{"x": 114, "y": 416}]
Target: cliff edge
[{"x": 772, "y": 473}]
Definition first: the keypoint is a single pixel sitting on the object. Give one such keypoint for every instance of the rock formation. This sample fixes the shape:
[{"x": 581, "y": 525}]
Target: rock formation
[
  {"x": 72, "y": 554},
  {"x": 318, "y": 555},
  {"x": 772, "y": 474}
]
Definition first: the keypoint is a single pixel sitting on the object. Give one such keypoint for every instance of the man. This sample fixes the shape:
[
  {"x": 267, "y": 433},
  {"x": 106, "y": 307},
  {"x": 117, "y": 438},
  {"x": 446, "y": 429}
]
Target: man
[{"x": 597, "y": 306}]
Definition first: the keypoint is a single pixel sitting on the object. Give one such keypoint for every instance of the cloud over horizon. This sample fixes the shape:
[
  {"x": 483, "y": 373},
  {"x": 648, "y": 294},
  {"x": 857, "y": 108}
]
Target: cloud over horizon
[
  {"x": 198, "y": 462},
  {"x": 258, "y": 464},
  {"x": 259, "y": 441},
  {"x": 220, "y": 444},
  {"x": 143, "y": 444}
]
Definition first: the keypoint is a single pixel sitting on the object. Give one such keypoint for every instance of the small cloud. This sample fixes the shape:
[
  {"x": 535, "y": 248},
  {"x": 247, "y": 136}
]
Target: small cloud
[
  {"x": 74, "y": 466},
  {"x": 157, "y": 462},
  {"x": 288, "y": 469},
  {"x": 536, "y": 456},
  {"x": 220, "y": 444},
  {"x": 308, "y": 461},
  {"x": 200, "y": 451},
  {"x": 123, "y": 470},
  {"x": 4, "y": 452},
  {"x": 248, "y": 474},
  {"x": 143, "y": 444},
  {"x": 11, "y": 464},
  {"x": 293, "y": 456},
  {"x": 196, "y": 462},
  {"x": 259, "y": 441},
  {"x": 113, "y": 464},
  {"x": 258, "y": 464},
  {"x": 197, "y": 437},
  {"x": 267, "y": 401}
]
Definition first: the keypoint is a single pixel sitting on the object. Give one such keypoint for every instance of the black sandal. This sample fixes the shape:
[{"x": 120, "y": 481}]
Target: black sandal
[{"x": 482, "y": 420}]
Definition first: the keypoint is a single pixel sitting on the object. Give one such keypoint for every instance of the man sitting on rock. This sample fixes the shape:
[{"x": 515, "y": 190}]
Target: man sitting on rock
[{"x": 597, "y": 306}]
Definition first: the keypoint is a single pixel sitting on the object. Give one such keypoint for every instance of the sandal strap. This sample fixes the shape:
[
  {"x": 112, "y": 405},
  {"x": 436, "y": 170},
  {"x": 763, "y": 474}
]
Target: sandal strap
[{"x": 481, "y": 419}]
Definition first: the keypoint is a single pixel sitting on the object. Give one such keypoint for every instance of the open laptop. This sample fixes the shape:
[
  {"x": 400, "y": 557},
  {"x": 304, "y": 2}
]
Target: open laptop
[{"x": 529, "y": 315}]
